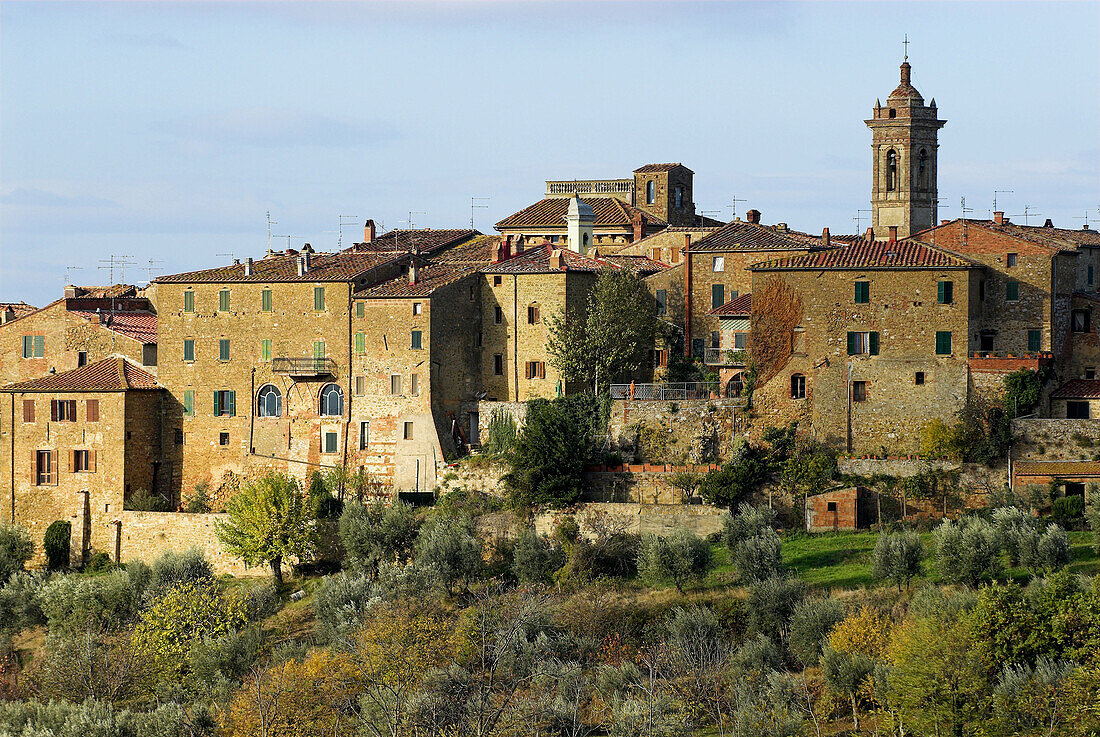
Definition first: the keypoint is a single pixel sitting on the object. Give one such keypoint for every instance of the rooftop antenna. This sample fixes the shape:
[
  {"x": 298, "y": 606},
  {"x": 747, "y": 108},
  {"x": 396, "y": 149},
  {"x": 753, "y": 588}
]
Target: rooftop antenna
[
  {"x": 410, "y": 222},
  {"x": 1084, "y": 217},
  {"x": 288, "y": 237},
  {"x": 964, "y": 210},
  {"x": 340, "y": 230},
  {"x": 858, "y": 218},
  {"x": 733, "y": 205},
  {"x": 229, "y": 255},
  {"x": 68, "y": 279},
  {"x": 151, "y": 268},
  {"x": 270, "y": 222},
  {"x": 1000, "y": 191},
  {"x": 935, "y": 223},
  {"x": 411, "y": 239},
  {"x": 112, "y": 262},
  {"x": 1027, "y": 213},
  {"x": 475, "y": 206}
]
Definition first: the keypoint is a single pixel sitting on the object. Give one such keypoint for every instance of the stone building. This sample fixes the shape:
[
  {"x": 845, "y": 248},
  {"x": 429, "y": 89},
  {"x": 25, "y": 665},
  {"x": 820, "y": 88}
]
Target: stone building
[
  {"x": 904, "y": 151},
  {"x": 865, "y": 343},
  {"x": 85, "y": 325},
  {"x": 665, "y": 245},
  {"x": 75, "y": 446},
  {"x": 11, "y": 310},
  {"x": 1078, "y": 399}
]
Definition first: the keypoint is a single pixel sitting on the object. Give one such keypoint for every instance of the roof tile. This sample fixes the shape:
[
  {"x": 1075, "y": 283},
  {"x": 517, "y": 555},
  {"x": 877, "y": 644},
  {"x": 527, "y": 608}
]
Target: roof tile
[
  {"x": 550, "y": 212},
  {"x": 112, "y": 374},
  {"x": 739, "y": 306},
  {"x": 1056, "y": 468},
  {"x": 742, "y": 236},
  {"x": 141, "y": 326},
  {"x": 1078, "y": 389},
  {"x": 871, "y": 255}
]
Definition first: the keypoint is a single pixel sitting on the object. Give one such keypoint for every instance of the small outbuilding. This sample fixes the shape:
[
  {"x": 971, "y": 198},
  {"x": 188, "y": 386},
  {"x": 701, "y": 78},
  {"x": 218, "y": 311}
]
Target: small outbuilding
[{"x": 839, "y": 509}]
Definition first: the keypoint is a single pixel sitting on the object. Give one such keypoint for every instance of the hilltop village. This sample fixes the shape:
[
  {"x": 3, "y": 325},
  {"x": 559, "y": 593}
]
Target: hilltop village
[{"x": 391, "y": 356}]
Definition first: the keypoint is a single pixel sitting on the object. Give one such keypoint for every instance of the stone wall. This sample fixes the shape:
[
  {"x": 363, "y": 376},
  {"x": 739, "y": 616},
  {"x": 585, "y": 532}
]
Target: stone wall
[
  {"x": 658, "y": 519},
  {"x": 147, "y": 535},
  {"x": 1037, "y": 439},
  {"x": 698, "y": 431}
]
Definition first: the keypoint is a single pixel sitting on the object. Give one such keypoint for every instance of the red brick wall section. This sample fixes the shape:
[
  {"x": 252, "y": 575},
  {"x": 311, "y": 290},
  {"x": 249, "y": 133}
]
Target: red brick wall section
[{"x": 820, "y": 519}]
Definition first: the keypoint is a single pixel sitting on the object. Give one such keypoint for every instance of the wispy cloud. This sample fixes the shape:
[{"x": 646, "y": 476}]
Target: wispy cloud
[{"x": 270, "y": 127}]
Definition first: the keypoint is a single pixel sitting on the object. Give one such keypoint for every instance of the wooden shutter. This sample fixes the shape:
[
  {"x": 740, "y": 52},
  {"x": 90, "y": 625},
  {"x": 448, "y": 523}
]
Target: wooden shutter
[
  {"x": 542, "y": 370},
  {"x": 93, "y": 410},
  {"x": 28, "y": 410},
  {"x": 39, "y": 346},
  {"x": 53, "y": 410},
  {"x": 874, "y": 343},
  {"x": 72, "y": 461},
  {"x": 232, "y": 404},
  {"x": 91, "y": 461},
  {"x": 851, "y": 343},
  {"x": 527, "y": 370},
  {"x": 217, "y": 404},
  {"x": 72, "y": 410}
]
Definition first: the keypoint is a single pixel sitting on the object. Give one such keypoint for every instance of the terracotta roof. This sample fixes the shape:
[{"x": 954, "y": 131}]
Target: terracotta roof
[
  {"x": 427, "y": 240},
  {"x": 141, "y": 326},
  {"x": 19, "y": 308},
  {"x": 113, "y": 374},
  {"x": 871, "y": 255},
  {"x": 742, "y": 236},
  {"x": 342, "y": 266},
  {"x": 113, "y": 291},
  {"x": 1053, "y": 238},
  {"x": 1078, "y": 389},
  {"x": 536, "y": 260},
  {"x": 905, "y": 90},
  {"x": 739, "y": 306},
  {"x": 1056, "y": 468},
  {"x": 1058, "y": 237},
  {"x": 641, "y": 265},
  {"x": 446, "y": 268},
  {"x": 550, "y": 212},
  {"x": 648, "y": 168},
  {"x": 481, "y": 249}
]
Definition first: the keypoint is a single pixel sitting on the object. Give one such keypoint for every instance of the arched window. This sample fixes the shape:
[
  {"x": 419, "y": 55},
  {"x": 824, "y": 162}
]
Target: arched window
[
  {"x": 798, "y": 386},
  {"x": 269, "y": 402},
  {"x": 891, "y": 170},
  {"x": 332, "y": 400},
  {"x": 650, "y": 192},
  {"x": 922, "y": 168},
  {"x": 584, "y": 244}
]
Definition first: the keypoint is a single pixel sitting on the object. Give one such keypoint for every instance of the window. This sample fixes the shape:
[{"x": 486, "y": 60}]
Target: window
[
  {"x": 360, "y": 343},
  {"x": 360, "y": 385},
  {"x": 364, "y": 435},
  {"x": 188, "y": 349},
  {"x": 860, "y": 344},
  {"x": 918, "y": 379},
  {"x": 223, "y": 300},
  {"x": 498, "y": 364},
  {"x": 34, "y": 346},
  {"x": 265, "y": 350},
  {"x": 91, "y": 410},
  {"x": 698, "y": 347},
  {"x": 1090, "y": 372},
  {"x": 28, "y": 410},
  {"x": 265, "y": 300},
  {"x": 922, "y": 168},
  {"x": 718, "y": 264},
  {"x": 498, "y": 280},
  {"x": 360, "y": 309},
  {"x": 395, "y": 384},
  {"x": 981, "y": 289},
  {"x": 223, "y": 349},
  {"x": 81, "y": 358},
  {"x": 417, "y": 341},
  {"x": 650, "y": 192},
  {"x": 740, "y": 341},
  {"x": 473, "y": 293},
  {"x": 407, "y": 431},
  {"x": 189, "y": 403},
  {"x": 318, "y": 299},
  {"x": 943, "y": 343},
  {"x": 945, "y": 292},
  {"x": 269, "y": 402},
  {"x": 1090, "y": 275},
  {"x": 536, "y": 370},
  {"x": 223, "y": 439},
  {"x": 891, "y": 169},
  {"x": 332, "y": 400},
  {"x": 479, "y": 339},
  {"x": 662, "y": 301},
  {"x": 584, "y": 243},
  {"x": 63, "y": 410},
  {"x": 179, "y": 436},
  {"x": 43, "y": 467},
  {"x": 1082, "y": 321},
  {"x": 498, "y": 315},
  {"x": 660, "y": 359},
  {"x": 533, "y": 316},
  {"x": 798, "y": 386},
  {"x": 332, "y": 442},
  {"x": 678, "y": 197},
  {"x": 1077, "y": 410},
  {"x": 717, "y": 295},
  {"x": 1011, "y": 259},
  {"x": 1012, "y": 290},
  {"x": 418, "y": 308},
  {"x": 830, "y": 506},
  {"x": 318, "y": 349},
  {"x": 863, "y": 292},
  {"x": 188, "y": 301},
  {"x": 81, "y": 461},
  {"x": 715, "y": 339},
  {"x": 859, "y": 391},
  {"x": 225, "y": 403},
  {"x": 1035, "y": 340},
  {"x": 414, "y": 385}
]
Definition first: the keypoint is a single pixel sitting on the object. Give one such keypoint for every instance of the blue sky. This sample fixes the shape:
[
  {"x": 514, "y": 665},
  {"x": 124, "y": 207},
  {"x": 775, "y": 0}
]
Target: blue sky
[{"x": 165, "y": 131}]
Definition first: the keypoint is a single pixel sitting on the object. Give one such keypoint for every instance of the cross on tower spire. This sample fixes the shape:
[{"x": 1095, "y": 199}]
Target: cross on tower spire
[{"x": 905, "y": 43}]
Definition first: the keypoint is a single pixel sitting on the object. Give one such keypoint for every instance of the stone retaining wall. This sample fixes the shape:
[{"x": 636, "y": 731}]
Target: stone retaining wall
[
  {"x": 146, "y": 535},
  {"x": 658, "y": 519},
  {"x": 1055, "y": 440}
]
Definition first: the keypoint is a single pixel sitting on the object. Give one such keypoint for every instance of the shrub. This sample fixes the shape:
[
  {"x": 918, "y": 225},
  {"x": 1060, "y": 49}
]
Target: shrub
[
  {"x": 1014, "y": 528},
  {"x": 464, "y": 502},
  {"x": 757, "y": 656},
  {"x": 198, "y": 501},
  {"x": 811, "y": 621},
  {"x": 79, "y": 603},
  {"x": 16, "y": 549},
  {"x": 99, "y": 563},
  {"x": 771, "y": 606},
  {"x": 90, "y": 718},
  {"x": 615, "y": 554},
  {"x": 967, "y": 551},
  {"x": 897, "y": 557},
  {"x": 341, "y": 604},
  {"x": 21, "y": 601},
  {"x": 55, "y": 543},
  {"x": 547, "y": 465},
  {"x": 1051, "y": 552},
  {"x": 142, "y": 500},
  {"x": 261, "y": 599},
  {"x": 939, "y": 440},
  {"x": 534, "y": 559},
  {"x": 759, "y": 557},
  {"x": 736, "y": 480},
  {"x": 376, "y": 533},
  {"x": 216, "y": 665},
  {"x": 1066, "y": 509},
  {"x": 174, "y": 569},
  {"x": 502, "y": 433},
  {"x": 749, "y": 522},
  {"x": 679, "y": 557},
  {"x": 450, "y": 549}
]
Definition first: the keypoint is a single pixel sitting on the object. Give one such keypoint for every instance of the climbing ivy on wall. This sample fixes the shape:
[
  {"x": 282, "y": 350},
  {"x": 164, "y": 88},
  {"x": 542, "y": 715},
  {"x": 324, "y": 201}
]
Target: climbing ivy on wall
[{"x": 776, "y": 311}]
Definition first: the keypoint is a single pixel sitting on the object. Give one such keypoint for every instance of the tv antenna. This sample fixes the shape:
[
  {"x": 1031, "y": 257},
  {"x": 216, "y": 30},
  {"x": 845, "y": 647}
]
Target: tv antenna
[
  {"x": 228, "y": 255},
  {"x": 475, "y": 206},
  {"x": 1084, "y": 217},
  {"x": 288, "y": 237},
  {"x": 410, "y": 222},
  {"x": 733, "y": 204},
  {"x": 858, "y": 218},
  {"x": 1000, "y": 191},
  {"x": 112, "y": 262},
  {"x": 1027, "y": 213},
  {"x": 340, "y": 230},
  {"x": 270, "y": 222},
  {"x": 964, "y": 210},
  {"x": 151, "y": 268},
  {"x": 68, "y": 279}
]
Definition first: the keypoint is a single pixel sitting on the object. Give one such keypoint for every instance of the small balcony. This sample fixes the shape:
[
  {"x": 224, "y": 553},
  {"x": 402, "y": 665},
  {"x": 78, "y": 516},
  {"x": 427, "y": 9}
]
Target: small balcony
[
  {"x": 725, "y": 357},
  {"x": 997, "y": 361},
  {"x": 304, "y": 367}
]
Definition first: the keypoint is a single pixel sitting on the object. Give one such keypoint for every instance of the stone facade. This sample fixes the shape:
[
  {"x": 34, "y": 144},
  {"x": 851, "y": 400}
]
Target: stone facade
[{"x": 642, "y": 519}]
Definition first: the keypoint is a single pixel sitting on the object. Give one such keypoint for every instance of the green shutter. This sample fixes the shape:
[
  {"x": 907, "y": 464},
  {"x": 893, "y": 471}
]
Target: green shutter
[
  {"x": 319, "y": 299},
  {"x": 717, "y": 295},
  {"x": 1034, "y": 340},
  {"x": 416, "y": 341},
  {"x": 265, "y": 349},
  {"x": 232, "y": 403},
  {"x": 188, "y": 350},
  {"x": 318, "y": 349},
  {"x": 360, "y": 342},
  {"x": 360, "y": 308},
  {"x": 851, "y": 344},
  {"x": 189, "y": 403},
  {"x": 863, "y": 292},
  {"x": 1012, "y": 291},
  {"x": 188, "y": 301},
  {"x": 39, "y": 346},
  {"x": 28, "y": 346},
  {"x": 223, "y": 300},
  {"x": 217, "y": 404},
  {"x": 223, "y": 349},
  {"x": 265, "y": 300},
  {"x": 874, "y": 343},
  {"x": 943, "y": 343}
]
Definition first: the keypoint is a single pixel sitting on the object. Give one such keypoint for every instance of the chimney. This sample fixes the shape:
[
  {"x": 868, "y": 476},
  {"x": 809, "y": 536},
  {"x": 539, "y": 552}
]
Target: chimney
[
  {"x": 893, "y": 234},
  {"x": 414, "y": 271},
  {"x": 556, "y": 260},
  {"x": 1049, "y": 223},
  {"x": 248, "y": 266},
  {"x": 98, "y": 319},
  {"x": 638, "y": 221},
  {"x": 825, "y": 237},
  {"x": 306, "y": 248},
  {"x": 781, "y": 227},
  {"x": 368, "y": 231},
  {"x": 999, "y": 217},
  {"x": 70, "y": 291},
  {"x": 507, "y": 247},
  {"x": 753, "y": 216},
  {"x": 870, "y": 234},
  {"x": 236, "y": 262},
  {"x": 303, "y": 264}
]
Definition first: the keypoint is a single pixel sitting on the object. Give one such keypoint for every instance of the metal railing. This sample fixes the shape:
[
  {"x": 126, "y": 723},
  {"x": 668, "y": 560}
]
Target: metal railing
[
  {"x": 304, "y": 366},
  {"x": 1011, "y": 354},
  {"x": 725, "y": 357},
  {"x": 662, "y": 392},
  {"x": 590, "y": 186}
]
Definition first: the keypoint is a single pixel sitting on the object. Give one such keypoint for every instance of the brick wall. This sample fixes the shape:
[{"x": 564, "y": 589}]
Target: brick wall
[{"x": 834, "y": 510}]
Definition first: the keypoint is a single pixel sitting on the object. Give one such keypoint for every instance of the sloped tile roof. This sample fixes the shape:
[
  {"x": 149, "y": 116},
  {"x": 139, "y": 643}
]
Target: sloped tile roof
[
  {"x": 641, "y": 265},
  {"x": 537, "y": 261},
  {"x": 141, "y": 326},
  {"x": 550, "y": 212},
  {"x": 114, "y": 374},
  {"x": 113, "y": 291},
  {"x": 742, "y": 236},
  {"x": 19, "y": 308},
  {"x": 1078, "y": 389},
  {"x": 427, "y": 240},
  {"x": 739, "y": 306},
  {"x": 1056, "y": 468},
  {"x": 1055, "y": 239},
  {"x": 342, "y": 266},
  {"x": 446, "y": 268},
  {"x": 649, "y": 168},
  {"x": 871, "y": 255},
  {"x": 481, "y": 248}
]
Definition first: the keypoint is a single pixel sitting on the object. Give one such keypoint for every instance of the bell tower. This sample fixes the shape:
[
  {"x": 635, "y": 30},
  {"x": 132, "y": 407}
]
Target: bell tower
[{"x": 904, "y": 150}]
